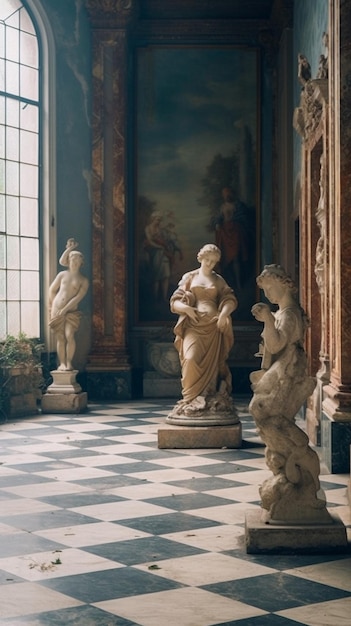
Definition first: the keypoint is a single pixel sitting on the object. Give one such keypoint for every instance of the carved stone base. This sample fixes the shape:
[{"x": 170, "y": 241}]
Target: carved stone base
[
  {"x": 335, "y": 443},
  {"x": 264, "y": 538},
  {"x": 186, "y": 437},
  {"x": 64, "y": 402},
  {"x": 64, "y": 382}
]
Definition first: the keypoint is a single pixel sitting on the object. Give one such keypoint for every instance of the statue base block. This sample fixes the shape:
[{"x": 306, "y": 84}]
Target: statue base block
[
  {"x": 262, "y": 538},
  {"x": 64, "y": 381},
  {"x": 64, "y": 402},
  {"x": 185, "y": 437}
]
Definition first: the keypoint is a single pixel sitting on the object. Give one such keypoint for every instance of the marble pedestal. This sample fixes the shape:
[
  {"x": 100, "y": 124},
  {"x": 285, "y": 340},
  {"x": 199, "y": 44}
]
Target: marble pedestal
[
  {"x": 155, "y": 385},
  {"x": 263, "y": 538},
  {"x": 64, "y": 395},
  {"x": 186, "y": 437},
  {"x": 335, "y": 444}
]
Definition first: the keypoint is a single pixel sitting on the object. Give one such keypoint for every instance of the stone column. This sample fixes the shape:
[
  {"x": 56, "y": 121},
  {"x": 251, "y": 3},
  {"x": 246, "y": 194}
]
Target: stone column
[
  {"x": 108, "y": 369},
  {"x": 336, "y": 414}
]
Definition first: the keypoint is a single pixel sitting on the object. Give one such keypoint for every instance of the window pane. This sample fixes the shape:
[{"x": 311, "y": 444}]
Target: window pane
[
  {"x": 13, "y": 17},
  {"x": 29, "y": 50},
  {"x": 29, "y": 286},
  {"x": 29, "y": 117},
  {"x": 29, "y": 83},
  {"x": 13, "y": 319},
  {"x": 29, "y": 253},
  {"x": 2, "y": 251},
  {"x": 29, "y": 217},
  {"x": 2, "y": 213},
  {"x": 2, "y": 285},
  {"x": 2, "y": 141},
  {"x": 2, "y": 175},
  {"x": 2, "y": 320},
  {"x": 12, "y": 77},
  {"x": 26, "y": 23},
  {"x": 30, "y": 315},
  {"x": 2, "y": 40},
  {"x": 12, "y": 44},
  {"x": 29, "y": 147},
  {"x": 12, "y": 112},
  {"x": 12, "y": 178},
  {"x": 12, "y": 144},
  {"x": 29, "y": 180},
  {"x": 13, "y": 285},
  {"x": 2, "y": 75},
  {"x": 2, "y": 110},
  {"x": 12, "y": 215},
  {"x": 7, "y": 7},
  {"x": 13, "y": 257}
]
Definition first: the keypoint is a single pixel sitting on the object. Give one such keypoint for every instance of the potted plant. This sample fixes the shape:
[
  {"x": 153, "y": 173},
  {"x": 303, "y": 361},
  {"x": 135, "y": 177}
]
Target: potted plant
[{"x": 21, "y": 379}]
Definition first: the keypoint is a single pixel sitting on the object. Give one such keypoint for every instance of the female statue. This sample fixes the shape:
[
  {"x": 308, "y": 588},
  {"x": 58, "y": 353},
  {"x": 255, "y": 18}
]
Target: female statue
[
  {"x": 279, "y": 390},
  {"x": 204, "y": 336}
]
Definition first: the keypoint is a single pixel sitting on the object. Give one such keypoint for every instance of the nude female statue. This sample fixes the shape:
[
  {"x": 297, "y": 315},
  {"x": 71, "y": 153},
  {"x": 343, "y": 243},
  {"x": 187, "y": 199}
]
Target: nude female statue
[{"x": 66, "y": 291}]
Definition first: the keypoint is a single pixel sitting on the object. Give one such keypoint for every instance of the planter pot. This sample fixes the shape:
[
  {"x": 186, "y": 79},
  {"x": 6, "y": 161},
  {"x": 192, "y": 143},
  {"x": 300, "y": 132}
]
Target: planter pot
[{"x": 19, "y": 391}]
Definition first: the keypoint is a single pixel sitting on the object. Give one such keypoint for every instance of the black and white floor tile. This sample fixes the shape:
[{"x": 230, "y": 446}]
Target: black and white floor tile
[{"x": 99, "y": 527}]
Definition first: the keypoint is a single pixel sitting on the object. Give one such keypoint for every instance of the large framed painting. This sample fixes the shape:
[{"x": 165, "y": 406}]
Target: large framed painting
[{"x": 197, "y": 181}]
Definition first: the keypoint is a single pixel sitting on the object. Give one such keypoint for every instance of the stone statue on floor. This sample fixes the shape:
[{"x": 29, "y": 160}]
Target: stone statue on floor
[
  {"x": 279, "y": 390},
  {"x": 204, "y": 338},
  {"x": 65, "y": 293}
]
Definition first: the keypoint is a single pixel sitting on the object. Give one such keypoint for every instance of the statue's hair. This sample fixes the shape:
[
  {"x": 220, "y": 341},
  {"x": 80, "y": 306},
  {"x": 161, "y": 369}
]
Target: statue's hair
[
  {"x": 276, "y": 272},
  {"x": 76, "y": 253},
  {"x": 208, "y": 248}
]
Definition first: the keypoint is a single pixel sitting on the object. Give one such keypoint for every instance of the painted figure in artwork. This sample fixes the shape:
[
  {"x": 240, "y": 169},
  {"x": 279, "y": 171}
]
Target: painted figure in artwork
[
  {"x": 65, "y": 293},
  {"x": 204, "y": 336},
  {"x": 231, "y": 238},
  {"x": 159, "y": 257}
]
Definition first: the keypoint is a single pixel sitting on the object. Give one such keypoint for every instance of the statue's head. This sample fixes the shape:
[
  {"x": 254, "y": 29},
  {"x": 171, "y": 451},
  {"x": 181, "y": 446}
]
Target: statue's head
[
  {"x": 76, "y": 257},
  {"x": 277, "y": 273},
  {"x": 209, "y": 249}
]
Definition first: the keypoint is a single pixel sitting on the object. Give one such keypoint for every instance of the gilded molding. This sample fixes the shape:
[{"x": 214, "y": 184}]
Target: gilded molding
[{"x": 110, "y": 13}]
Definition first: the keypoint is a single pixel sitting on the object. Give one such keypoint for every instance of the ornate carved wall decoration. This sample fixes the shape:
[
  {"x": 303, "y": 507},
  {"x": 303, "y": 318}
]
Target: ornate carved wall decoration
[
  {"x": 310, "y": 120},
  {"x": 110, "y": 13}
]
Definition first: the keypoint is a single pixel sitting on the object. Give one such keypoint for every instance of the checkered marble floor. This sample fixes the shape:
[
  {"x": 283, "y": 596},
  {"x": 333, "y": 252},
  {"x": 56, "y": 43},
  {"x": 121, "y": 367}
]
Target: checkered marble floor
[{"x": 98, "y": 527}]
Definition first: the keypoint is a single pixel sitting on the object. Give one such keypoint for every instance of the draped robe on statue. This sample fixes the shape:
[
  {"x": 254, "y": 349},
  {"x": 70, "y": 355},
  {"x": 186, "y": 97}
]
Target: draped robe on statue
[{"x": 203, "y": 349}]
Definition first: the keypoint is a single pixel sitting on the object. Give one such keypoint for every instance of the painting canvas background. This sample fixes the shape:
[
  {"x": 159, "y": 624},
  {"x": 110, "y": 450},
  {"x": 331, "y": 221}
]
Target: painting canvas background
[{"x": 196, "y": 154}]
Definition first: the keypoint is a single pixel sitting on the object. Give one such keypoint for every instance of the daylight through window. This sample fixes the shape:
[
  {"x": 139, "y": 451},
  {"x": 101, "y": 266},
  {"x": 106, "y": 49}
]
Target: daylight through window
[{"x": 19, "y": 172}]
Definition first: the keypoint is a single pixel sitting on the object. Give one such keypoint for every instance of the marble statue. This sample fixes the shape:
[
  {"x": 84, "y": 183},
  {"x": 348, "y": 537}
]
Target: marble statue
[
  {"x": 204, "y": 337},
  {"x": 280, "y": 388},
  {"x": 65, "y": 293},
  {"x": 304, "y": 70}
]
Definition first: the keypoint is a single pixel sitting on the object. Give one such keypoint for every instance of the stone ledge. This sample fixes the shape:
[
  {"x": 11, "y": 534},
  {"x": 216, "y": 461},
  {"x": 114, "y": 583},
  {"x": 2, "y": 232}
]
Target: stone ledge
[
  {"x": 186, "y": 437},
  {"x": 264, "y": 538}
]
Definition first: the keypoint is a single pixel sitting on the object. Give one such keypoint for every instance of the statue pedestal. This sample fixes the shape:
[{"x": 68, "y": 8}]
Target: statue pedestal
[
  {"x": 64, "y": 395},
  {"x": 263, "y": 538},
  {"x": 227, "y": 436}
]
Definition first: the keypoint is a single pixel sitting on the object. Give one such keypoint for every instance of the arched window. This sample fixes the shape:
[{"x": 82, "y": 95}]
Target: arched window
[
  {"x": 19, "y": 178},
  {"x": 27, "y": 189}
]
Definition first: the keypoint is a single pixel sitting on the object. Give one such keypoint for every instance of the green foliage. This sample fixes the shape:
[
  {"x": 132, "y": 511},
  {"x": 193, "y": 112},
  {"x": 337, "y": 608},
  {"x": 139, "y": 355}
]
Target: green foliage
[
  {"x": 20, "y": 369},
  {"x": 20, "y": 351}
]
